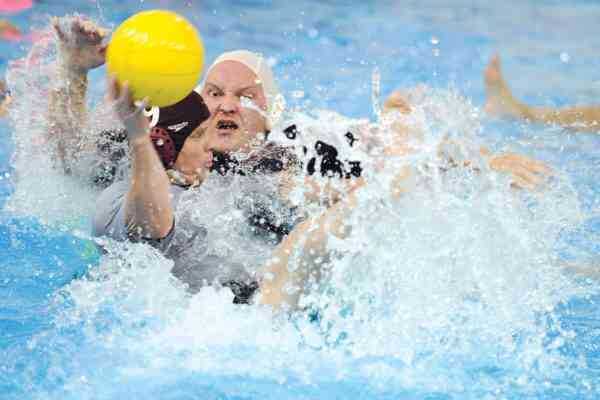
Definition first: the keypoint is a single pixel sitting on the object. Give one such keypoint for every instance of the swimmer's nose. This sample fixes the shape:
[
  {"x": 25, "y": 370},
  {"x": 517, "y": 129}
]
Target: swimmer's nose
[{"x": 229, "y": 104}]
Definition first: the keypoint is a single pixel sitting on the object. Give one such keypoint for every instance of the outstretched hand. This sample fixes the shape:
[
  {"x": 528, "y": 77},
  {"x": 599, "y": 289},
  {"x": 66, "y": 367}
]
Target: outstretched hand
[
  {"x": 80, "y": 43},
  {"x": 526, "y": 172},
  {"x": 404, "y": 135},
  {"x": 131, "y": 115}
]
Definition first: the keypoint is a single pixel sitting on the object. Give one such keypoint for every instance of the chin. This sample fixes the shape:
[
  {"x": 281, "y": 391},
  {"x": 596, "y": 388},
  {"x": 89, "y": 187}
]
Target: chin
[{"x": 225, "y": 147}]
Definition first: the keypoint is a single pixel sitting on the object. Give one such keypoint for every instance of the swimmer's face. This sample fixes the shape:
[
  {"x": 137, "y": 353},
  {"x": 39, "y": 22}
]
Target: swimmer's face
[
  {"x": 195, "y": 158},
  {"x": 232, "y": 126}
]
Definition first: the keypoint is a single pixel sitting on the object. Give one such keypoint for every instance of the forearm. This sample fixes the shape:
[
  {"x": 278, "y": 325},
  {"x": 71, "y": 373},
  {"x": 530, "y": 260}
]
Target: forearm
[
  {"x": 4, "y": 107},
  {"x": 67, "y": 112},
  {"x": 148, "y": 209},
  {"x": 576, "y": 118},
  {"x": 281, "y": 287},
  {"x": 79, "y": 50},
  {"x": 309, "y": 241}
]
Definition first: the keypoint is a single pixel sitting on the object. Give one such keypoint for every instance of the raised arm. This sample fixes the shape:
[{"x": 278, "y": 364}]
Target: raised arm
[
  {"x": 4, "y": 98},
  {"x": 80, "y": 48},
  {"x": 501, "y": 102},
  {"x": 148, "y": 209},
  {"x": 309, "y": 242},
  {"x": 525, "y": 172}
]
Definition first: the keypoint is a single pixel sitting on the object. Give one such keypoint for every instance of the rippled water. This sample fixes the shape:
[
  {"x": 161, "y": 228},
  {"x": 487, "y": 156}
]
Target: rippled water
[{"x": 457, "y": 290}]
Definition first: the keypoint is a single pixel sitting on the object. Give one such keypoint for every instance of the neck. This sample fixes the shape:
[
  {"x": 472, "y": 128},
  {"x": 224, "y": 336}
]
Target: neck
[{"x": 180, "y": 178}]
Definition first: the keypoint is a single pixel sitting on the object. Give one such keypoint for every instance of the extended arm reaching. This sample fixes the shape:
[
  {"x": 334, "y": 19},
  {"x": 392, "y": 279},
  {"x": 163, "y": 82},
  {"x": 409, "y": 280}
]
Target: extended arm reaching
[
  {"x": 148, "y": 209},
  {"x": 525, "y": 172},
  {"x": 80, "y": 49},
  {"x": 501, "y": 102},
  {"x": 281, "y": 287}
]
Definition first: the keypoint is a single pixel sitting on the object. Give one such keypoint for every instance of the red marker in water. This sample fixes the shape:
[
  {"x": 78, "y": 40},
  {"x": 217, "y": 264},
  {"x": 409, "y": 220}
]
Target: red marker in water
[
  {"x": 8, "y": 31},
  {"x": 14, "y": 6}
]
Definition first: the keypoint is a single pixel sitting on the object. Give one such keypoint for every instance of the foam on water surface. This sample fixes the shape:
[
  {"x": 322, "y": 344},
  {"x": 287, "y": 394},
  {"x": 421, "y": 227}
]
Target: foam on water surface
[{"x": 451, "y": 289}]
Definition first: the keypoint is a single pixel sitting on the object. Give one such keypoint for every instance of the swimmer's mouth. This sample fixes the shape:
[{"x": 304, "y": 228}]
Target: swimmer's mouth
[{"x": 227, "y": 125}]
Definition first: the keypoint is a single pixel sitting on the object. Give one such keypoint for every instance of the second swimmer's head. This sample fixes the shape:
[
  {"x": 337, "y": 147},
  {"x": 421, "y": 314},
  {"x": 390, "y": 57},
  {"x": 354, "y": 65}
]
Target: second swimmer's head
[{"x": 243, "y": 99}]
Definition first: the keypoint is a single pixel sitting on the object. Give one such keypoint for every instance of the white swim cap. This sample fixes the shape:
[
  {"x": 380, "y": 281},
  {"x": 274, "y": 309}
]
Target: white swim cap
[{"x": 260, "y": 66}]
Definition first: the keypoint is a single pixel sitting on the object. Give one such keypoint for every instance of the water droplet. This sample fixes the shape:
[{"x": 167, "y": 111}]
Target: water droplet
[
  {"x": 436, "y": 52},
  {"x": 434, "y": 40},
  {"x": 269, "y": 276},
  {"x": 313, "y": 33},
  {"x": 376, "y": 91},
  {"x": 565, "y": 57},
  {"x": 298, "y": 94}
]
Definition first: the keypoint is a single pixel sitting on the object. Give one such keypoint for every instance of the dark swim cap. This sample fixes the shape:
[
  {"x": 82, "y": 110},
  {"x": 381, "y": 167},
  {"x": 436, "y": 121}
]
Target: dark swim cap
[{"x": 175, "y": 123}]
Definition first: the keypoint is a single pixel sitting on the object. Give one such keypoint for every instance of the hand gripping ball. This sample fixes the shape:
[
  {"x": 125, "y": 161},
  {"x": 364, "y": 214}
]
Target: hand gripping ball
[{"x": 159, "y": 53}]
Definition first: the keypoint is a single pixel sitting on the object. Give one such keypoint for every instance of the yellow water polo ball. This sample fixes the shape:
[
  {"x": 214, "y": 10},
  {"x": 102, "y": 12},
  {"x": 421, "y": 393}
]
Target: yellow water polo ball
[{"x": 159, "y": 53}]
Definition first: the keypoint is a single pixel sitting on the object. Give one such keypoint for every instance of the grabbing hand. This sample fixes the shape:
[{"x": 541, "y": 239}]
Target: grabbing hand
[
  {"x": 397, "y": 101},
  {"x": 402, "y": 136},
  {"x": 131, "y": 115},
  {"x": 80, "y": 43},
  {"x": 526, "y": 172}
]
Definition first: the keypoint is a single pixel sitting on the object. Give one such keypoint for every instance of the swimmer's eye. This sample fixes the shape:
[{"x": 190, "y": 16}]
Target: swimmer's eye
[
  {"x": 247, "y": 98},
  {"x": 214, "y": 93}
]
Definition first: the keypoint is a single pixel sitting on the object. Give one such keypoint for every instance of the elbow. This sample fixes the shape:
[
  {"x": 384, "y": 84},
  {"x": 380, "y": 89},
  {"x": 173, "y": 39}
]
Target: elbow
[
  {"x": 164, "y": 230},
  {"x": 150, "y": 229}
]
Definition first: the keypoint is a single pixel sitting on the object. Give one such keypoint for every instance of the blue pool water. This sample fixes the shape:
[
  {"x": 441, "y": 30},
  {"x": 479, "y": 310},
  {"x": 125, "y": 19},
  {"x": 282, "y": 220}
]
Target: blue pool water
[{"x": 480, "y": 311}]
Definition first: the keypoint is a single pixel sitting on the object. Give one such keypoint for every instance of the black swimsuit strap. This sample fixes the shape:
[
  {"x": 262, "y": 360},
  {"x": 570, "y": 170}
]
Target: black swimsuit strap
[
  {"x": 269, "y": 160},
  {"x": 243, "y": 291}
]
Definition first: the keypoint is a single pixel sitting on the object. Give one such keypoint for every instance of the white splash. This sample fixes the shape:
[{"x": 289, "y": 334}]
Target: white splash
[
  {"x": 456, "y": 278},
  {"x": 41, "y": 187}
]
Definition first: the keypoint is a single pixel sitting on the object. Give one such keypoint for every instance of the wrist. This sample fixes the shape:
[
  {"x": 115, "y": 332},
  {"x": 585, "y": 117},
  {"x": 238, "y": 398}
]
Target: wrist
[
  {"x": 139, "y": 140},
  {"x": 71, "y": 71}
]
